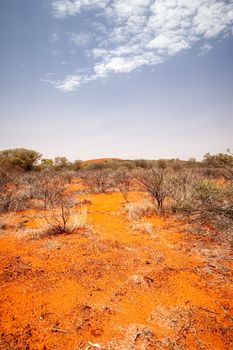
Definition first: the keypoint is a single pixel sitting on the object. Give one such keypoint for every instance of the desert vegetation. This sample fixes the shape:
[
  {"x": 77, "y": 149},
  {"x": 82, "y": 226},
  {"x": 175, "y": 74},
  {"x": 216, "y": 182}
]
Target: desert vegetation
[{"x": 116, "y": 254}]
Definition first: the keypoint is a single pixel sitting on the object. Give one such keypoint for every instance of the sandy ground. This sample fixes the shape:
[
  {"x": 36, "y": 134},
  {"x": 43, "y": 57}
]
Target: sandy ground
[{"x": 114, "y": 287}]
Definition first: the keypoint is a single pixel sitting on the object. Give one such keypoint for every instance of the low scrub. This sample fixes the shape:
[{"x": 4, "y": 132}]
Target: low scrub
[
  {"x": 158, "y": 182},
  {"x": 98, "y": 181},
  {"x": 69, "y": 222},
  {"x": 138, "y": 210},
  {"x": 142, "y": 226}
]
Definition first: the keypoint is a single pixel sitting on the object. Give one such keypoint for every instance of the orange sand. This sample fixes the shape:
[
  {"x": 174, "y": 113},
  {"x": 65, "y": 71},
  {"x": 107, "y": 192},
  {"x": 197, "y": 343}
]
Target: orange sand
[{"x": 115, "y": 287}]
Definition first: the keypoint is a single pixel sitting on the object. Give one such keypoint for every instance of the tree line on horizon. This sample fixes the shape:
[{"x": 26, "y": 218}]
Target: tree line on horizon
[{"x": 23, "y": 159}]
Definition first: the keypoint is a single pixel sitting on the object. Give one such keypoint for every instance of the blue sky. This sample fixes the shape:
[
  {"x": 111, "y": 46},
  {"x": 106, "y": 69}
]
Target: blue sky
[{"x": 117, "y": 78}]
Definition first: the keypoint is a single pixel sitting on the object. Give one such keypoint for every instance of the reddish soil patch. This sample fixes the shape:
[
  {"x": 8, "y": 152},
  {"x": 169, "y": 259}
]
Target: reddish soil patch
[{"x": 116, "y": 288}]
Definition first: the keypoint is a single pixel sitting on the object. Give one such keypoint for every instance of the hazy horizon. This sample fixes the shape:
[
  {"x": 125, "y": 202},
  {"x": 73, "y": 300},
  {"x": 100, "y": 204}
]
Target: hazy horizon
[{"x": 89, "y": 79}]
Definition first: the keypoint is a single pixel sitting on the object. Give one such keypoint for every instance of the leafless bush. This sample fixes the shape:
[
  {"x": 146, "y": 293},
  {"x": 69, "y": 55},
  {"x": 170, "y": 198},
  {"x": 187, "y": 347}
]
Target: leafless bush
[
  {"x": 62, "y": 216},
  {"x": 6, "y": 176},
  {"x": 98, "y": 181},
  {"x": 48, "y": 185},
  {"x": 12, "y": 195},
  {"x": 159, "y": 183},
  {"x": 68, "y": 175},
  {"x": 122, "y": 180},
  {"x": 60, "y": 205},
  {"x": 29, "y": 183},
  {"x": 12, "y": 199},
  {"x": 65, "y": 219}
]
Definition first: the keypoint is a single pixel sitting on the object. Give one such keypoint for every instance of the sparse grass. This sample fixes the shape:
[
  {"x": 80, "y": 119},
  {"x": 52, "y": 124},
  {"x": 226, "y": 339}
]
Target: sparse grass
[
  {"x": 136, "y": 212},
  {"x": 142, "y": 226},
  {"x": 77, "y": 221},
  {"x": 4, "y": 221},
  {"x": 140, "y": 209},
  {"x": 52, "y": 245}
]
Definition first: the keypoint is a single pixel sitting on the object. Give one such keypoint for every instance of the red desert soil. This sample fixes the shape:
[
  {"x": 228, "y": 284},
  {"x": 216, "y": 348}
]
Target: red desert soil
[{"x": 115, "y": 287}]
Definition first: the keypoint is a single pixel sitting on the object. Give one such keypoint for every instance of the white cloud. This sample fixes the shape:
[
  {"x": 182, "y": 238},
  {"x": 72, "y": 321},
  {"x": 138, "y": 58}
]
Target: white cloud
[
  {"x": 132, "y": 33},
  {"x": 70, "y": 83},
  {"x": 54, "y": 37},
  {"x": 79, "y": 39},
  {"x": 205, "y": 49},
  {"x": 64, "y": 8}
]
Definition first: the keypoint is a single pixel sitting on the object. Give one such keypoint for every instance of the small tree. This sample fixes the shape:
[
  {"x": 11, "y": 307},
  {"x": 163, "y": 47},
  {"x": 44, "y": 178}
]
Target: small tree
[
  {"x": 77, "y": 165},
  {"x": 142, "y": 163},
  {"x": 122, "y": 179},
  {"x": 158, "y": 182},
  {"x": 46, "y": 163},
  {"x": 61, "y": 210},
  {"x": 22, "y": 158},
  {"x": 61, "y": 163},
  {"x": 62, "y": 216},
  {"x": 223, "y": 163},
  {"x": 46, "y": 188}
]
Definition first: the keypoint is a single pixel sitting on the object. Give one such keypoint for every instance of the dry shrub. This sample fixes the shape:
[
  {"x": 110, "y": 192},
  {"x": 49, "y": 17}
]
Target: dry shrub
[
  {"x": 4, "y": 221},
  {"x": 221, "y": 163},
  {"x": 204, "y": 197},
  {"x": 29, "y": 183},
  {"x": 184, "y": 198},
  {"x": 68, "y": 175},
  {"x": 13, "y": 198},
  {"x": 98, "y": 181},
  {"x": 78, "y": 220},
  {"x": 159, "y": 182},
  {"x": 137, "y": 211},
  {"x": 53, "y": 225},
  {"x": 122, "y": 179},
  {"x": 75, "y": 220},
  {"x": 32, "y": 233},
  {"x": 48, "y": 188},
  {"x": 142, "y": 226},
  {"x": 14, "y": 191}
]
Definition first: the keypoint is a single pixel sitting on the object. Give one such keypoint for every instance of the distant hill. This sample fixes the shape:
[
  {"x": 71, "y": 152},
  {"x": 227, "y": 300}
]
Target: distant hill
[{"x": 101, "y": 160}]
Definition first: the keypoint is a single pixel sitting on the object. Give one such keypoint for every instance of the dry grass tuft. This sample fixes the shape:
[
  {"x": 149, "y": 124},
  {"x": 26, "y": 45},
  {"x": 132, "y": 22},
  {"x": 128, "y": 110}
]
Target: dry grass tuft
[
  {"x": 142, "y": 226},
  {"x": 139, "y": 210}
]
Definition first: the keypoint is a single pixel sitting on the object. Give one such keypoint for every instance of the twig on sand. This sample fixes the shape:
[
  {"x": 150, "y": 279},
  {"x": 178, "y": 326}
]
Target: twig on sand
[
  {"x": 57, "y": 330},
  {"x": 89, "y": 346},
  {"x": 207, "y": 310}
]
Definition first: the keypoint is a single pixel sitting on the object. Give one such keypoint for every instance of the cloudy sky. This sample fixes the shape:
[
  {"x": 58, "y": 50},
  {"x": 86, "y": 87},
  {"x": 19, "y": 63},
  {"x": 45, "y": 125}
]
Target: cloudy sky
[{"x": 117, "y": 78}]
